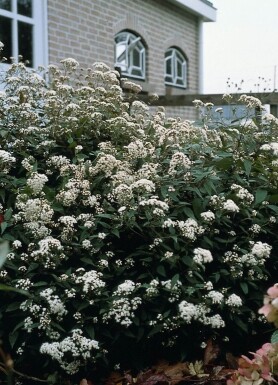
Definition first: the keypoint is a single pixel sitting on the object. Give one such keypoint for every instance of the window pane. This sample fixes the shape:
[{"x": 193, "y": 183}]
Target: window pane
[
  {"x": 136, "y": 72},
  {"x": 25, "y": 42},
  {"x": 136, "y": 58},
  {"x": 24, "y": 7},
  {"x": 5, "y": 4},
  {"x": 6, "y": 36},
  {"x": 169, "y": 67},
  {"x": 179, "y": 69}
]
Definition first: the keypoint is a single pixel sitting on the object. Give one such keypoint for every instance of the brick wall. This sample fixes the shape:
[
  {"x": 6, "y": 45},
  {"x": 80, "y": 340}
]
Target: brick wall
[{"x": 85, "y": 30}]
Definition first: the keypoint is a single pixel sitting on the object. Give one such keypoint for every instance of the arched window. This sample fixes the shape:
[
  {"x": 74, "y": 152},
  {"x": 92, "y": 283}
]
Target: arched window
[
  {"x": 130, "y": 54},
  {"x": 175, "y": 68}
]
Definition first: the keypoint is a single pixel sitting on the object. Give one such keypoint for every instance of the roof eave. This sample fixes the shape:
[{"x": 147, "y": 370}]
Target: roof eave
[{"x": 201, "y": 8}]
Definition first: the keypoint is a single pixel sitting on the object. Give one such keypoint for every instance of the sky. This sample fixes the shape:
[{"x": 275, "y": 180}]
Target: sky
[{"x": 242, "y": 45}]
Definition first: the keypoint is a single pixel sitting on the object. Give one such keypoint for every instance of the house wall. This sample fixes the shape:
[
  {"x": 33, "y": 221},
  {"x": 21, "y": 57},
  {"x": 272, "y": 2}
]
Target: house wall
[{"x": 85, "y": 30}]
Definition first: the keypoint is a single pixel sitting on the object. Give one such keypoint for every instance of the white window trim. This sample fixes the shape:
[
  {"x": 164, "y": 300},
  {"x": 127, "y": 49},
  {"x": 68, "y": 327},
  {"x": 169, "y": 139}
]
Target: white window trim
[
  {"x": 40, "y": 38},
  {"x": 174, "y": 52},
  {"x": 137, "y": 42}
]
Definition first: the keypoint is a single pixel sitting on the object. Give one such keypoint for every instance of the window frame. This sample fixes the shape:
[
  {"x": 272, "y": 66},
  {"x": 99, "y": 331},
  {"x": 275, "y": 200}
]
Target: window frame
[
  {"x": 175, "y": 56},
  {"x": 38, "y": 20},
  {"x": 132, "y": 42}
]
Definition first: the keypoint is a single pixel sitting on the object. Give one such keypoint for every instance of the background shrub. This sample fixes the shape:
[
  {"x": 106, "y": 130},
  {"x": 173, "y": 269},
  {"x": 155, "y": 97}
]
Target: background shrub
[{"x": 130, "y": 232}]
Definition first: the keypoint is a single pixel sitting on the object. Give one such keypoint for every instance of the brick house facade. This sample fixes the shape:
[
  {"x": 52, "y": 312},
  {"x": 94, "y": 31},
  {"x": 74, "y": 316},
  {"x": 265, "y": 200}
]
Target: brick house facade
[{"x": 86, "y": 30}]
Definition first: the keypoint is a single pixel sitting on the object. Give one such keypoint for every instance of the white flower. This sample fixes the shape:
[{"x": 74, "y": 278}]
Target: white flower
[
  {"x": 234, "y": 301},
  {"x": 208, "y": 216},
  {"x": 230, "y": 205},
  {"x": 202, "y": 256},
  {"x": 179, "y": 161},
  {"x": 36, "y": 182},
  {"x": 261, "y": 250},
  {"x": 70, "y": 63},
  {"x": 68, "y": 350},
  {"x": 215, "y": 296}
]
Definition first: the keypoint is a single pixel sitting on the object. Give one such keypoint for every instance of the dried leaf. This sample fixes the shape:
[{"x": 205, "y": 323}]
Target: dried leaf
[
  {"x": 216, "y": 370},
  {"x": 115, "y": 378},
  {"x": 175, "y": 372},
  {"x": 197, "y": 369},
  {"x": 211, "y": 352},
  {"x": 154, "y": 379},
  {"x": 232, "y": 360}
]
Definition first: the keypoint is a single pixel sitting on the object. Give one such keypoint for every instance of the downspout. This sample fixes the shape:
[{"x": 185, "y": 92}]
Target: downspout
[{"x": 201, "y": 57}]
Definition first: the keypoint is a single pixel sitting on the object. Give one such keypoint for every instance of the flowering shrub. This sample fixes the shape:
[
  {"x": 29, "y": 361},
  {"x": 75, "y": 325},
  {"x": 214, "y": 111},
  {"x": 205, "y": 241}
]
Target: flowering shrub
[{"x": 129, "y": 232}]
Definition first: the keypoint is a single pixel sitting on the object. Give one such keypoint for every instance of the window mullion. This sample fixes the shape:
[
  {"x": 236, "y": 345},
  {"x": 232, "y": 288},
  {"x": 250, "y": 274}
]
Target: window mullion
[{"x": 15, "y": 38}]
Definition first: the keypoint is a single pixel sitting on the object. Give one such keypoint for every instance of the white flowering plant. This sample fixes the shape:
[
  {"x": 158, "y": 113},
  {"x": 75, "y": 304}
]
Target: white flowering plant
[{"x": 130, "y": 232}]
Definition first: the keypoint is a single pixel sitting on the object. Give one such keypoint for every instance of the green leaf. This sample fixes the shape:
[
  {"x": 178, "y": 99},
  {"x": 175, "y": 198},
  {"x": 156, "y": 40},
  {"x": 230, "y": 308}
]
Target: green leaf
[
  {"x": 140, "y": 334},
  {"x": 4, "y": 251},
  {"x": 2, "y": 194},
  {"x": 247, "y": 166},
  {"x": 8, "y": 214},
  {"x": 175, "y": 279},
  {"x": 161, "y": 271},
  {"x": 156, "y": 329},
  {"x": 189, "y": 212},
  {"x": 241, "y": 325},
  {"x": 13, "y": 306},
  {"x": 4, "y": 225},
  {"x": 273, "y": 208},
  {"x": 12, "y": 338},
  {"x": 274, "y": 337},
  {"x": 260, "y": 196},
  {"x": 90, "y": 330},
  {"x": 4, "y": 287},
  {"x": 244, "y": 287}
]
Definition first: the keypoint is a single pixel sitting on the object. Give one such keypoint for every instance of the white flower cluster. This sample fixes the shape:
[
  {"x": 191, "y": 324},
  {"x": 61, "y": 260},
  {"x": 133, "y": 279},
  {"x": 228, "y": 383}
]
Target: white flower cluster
[
  {"x": 105, "y": 164},
  {"x": 270, "y": 147},
  {"x": 152, "y": 289},
  {"x": 202, "y": 256},
  {"x": 179, "y": 161},
  {"x": 137, "y": 150},
  {"x": 55, "y": 304},
  {"x": 49, "y": 252},
  {"x": 71, "y": 347},
  {"x": 91, "y": 280},
  {"x": 122, "y": 310},
  {"x": 215, "y": 296},
  {"x": 261, "y": 250},
  {"x": 174, "y": 289},
  {"x": 35, "y": 210},
  {"x": 234, "y": 301},
  {"x": 139, "y": 107},
  {"x": 189, "y": 228},
  {"x": 208, "y": 216},
  {"x": 229, "y": 205},
  {"x": 24, "y": 284},
  {"x": 255, "y": 228},
  {"x": 122, "y": 194},
  {"x": 158, "y": 207},
  {"x": 68, "y": 222},
  {"x": 242, "y": 193},
  {"x": 144, "y": 185},
  {"x": 125, "y": 288},
  {"x": 190, "y": 312},
  {"x": 58, "y": 161},
  {"x": 36, "y": 182},
  {"x": 251, "y": 101},
  {"x": 6, "y": 161}
]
